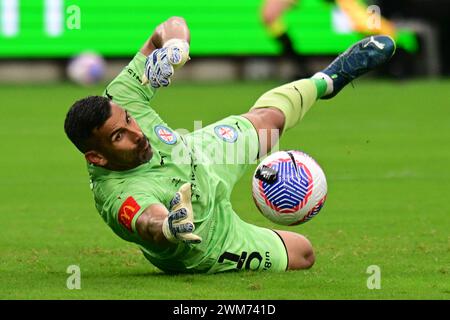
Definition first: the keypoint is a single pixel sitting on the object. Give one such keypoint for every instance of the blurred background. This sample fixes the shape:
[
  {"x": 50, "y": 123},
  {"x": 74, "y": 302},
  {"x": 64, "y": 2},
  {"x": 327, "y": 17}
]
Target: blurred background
[
  {"x": 384, "y": 144},
  {"x": 235, "y": 39}
]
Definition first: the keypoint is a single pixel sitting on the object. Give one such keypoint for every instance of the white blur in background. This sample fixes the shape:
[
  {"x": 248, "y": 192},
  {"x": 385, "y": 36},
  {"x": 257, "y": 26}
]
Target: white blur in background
[{"x": 86, "y": 69}]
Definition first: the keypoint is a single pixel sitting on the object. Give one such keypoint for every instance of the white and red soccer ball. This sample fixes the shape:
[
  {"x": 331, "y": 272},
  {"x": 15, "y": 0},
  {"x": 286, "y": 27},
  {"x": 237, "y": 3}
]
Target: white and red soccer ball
[
  {"x": 86, "y": 69},
  {"x": 289, "y": 187}
]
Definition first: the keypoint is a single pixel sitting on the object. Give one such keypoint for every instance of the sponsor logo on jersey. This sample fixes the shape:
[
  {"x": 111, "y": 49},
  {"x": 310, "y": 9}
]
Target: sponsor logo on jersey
[
  {"x": 127, "y": 212},
  {"x": 166, "y": 135},
  {"x": 226, "y": 133}
]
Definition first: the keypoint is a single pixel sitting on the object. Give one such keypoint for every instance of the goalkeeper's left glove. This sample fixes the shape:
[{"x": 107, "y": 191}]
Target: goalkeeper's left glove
[
  {"x": 160, "y": 64},
  {"x": 179, "y": 224}
]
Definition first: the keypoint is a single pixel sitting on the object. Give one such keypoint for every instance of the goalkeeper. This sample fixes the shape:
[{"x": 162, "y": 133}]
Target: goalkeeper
[{"x": 160, "y": 190}]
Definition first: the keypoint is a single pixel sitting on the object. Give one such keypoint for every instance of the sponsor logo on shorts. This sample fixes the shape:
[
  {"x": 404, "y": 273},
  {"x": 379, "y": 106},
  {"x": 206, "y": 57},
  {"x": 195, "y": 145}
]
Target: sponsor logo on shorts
[
  {"x": 127, "y": 212},
  {"x": 166, "y": 135},
  {"x": 226, "y": 133}
]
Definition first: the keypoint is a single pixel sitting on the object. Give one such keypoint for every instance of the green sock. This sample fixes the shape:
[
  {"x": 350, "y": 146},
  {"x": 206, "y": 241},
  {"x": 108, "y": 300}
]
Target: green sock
[
  {"x": 321, "y": 86},
  {"x": 293, "y": 99}
]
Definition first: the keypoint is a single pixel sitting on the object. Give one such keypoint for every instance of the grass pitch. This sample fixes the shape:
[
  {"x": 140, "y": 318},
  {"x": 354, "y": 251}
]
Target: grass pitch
[{"x": 384, "y": 146}]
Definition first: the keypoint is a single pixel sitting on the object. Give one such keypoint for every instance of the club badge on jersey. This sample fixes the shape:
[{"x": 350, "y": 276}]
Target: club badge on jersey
[
  {"x": 226, "y": 133},
  {"x": 166, "y": 135}
]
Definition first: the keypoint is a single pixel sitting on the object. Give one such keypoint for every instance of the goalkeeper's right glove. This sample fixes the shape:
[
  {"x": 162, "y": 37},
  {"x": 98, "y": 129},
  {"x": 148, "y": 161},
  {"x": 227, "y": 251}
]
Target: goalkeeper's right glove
[
  {"x": 179, "y": 224},
  {"x": 160, "y": 64}
]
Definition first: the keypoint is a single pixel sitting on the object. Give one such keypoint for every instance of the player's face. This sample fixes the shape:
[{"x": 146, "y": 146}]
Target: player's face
[{"x": 121, "y": 141}]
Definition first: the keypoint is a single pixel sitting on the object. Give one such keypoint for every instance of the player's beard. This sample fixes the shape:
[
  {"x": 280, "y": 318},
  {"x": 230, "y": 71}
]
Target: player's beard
[
  {"x": 121, "y": 160},
  {"x": 145, "y": 152}
]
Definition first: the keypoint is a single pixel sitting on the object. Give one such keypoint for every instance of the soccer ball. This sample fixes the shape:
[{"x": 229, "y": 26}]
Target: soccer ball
[
  {"x": 289, "y": 187},
  {"x": 86, "y": 69}
]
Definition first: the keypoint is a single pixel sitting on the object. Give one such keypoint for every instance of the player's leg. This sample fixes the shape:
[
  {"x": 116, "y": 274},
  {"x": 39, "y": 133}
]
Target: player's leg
[
  {"x": 127, "y": 91},
  {"x": 272, "y": 16},
  {"x": 283, "y": 107},
  {"x": 244, "y": 246},
  {"x": 272, "y": 10},
  {"x": 299, "y": 250}
]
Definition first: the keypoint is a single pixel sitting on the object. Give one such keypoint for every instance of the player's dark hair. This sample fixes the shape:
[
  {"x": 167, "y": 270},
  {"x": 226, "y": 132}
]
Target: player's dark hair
[{"x": 83, "y": 117}]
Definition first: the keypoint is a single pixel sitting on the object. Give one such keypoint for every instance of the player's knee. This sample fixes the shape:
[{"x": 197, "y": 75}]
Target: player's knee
[
  {"x": 267, "y": 17},
  {"x": 300, "y": 250},
  {"x": 308, "y": 258},
  {"x": 266, "y": 118},
  {"x": 272, "y": 10},
  {"x": 303, "y": 257}
]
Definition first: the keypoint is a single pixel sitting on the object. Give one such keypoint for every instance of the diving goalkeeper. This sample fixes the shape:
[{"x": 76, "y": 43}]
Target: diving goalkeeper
[{"x": 157, "y": 189}]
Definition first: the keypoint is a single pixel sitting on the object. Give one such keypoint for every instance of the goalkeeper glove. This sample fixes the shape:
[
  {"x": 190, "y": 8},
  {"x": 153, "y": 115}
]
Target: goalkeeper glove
[
  {"x": 179, "y": 224},
  {"x": 160, "y": 64}
]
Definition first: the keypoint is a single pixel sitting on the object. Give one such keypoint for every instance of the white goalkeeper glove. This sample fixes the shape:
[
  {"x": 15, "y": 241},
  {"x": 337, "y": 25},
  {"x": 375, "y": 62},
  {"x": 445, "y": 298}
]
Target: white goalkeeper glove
[
  {"x": 179, "y": 224},
  {"x": 160, "y": 64}
]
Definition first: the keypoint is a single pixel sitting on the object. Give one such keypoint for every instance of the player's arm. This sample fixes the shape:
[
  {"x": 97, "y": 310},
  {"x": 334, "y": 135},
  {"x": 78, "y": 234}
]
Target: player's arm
[
  {"x": 150, "y": 222},
  {"x": 162, "y": 227},
  {"x": 127, "y": 89}
]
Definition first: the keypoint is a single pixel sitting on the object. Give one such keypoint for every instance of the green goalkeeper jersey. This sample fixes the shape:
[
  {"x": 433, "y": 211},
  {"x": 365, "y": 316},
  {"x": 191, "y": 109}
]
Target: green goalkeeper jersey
[{"x": 201, "y": 158}]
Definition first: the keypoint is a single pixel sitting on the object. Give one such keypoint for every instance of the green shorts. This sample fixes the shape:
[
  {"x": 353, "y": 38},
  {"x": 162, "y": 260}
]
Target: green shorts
[
  {"x": 248, "y": 247},
  {"x": 231, "y": 146}
]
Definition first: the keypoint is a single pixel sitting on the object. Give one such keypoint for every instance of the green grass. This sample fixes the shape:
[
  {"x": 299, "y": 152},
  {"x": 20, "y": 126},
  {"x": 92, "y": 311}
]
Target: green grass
[{"x": 385, "y": 148}]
